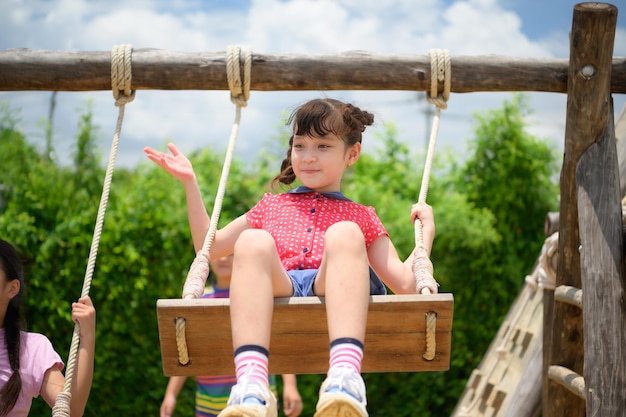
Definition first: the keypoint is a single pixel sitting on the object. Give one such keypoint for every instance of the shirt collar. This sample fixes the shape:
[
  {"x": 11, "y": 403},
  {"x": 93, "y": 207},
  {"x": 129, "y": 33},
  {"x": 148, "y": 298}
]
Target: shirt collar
[{"x": 337, "y": 195}]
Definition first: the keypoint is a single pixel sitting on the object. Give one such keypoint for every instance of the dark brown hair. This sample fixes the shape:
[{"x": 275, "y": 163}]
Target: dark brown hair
[
  {"x": 11, "y": 265},
  {"x": 320, "y": 117}
]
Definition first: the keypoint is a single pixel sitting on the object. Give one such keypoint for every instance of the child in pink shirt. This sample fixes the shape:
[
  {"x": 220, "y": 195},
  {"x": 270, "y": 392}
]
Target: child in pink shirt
[{"x": 29, "y": 365}]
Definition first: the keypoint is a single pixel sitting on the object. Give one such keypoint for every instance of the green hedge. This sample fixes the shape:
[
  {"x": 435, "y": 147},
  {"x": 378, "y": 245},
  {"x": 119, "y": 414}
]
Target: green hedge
[{"x": 489, "y": 213}]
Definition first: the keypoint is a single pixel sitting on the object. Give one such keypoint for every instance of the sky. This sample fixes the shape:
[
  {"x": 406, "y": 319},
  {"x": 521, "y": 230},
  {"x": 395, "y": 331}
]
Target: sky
[{"x": 197, "y": 119}]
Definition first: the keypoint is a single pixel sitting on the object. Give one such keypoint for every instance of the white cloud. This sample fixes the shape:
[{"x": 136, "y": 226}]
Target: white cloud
[{"x": 199, "y": 118}]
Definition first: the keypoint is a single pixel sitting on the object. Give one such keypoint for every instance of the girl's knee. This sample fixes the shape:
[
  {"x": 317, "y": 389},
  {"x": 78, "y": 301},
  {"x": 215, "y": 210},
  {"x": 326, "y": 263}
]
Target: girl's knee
[
  {"x": 254, "y": 242},
  {"x": 345, "y": 233}
]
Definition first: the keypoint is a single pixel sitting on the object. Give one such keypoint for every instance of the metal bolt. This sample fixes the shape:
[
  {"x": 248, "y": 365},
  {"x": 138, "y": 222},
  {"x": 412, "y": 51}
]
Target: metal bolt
[{"x": 588, "y": 71}]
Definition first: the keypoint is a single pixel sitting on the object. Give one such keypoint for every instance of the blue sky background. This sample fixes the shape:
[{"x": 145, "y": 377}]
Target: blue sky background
[{"x": 194, "y": 119}]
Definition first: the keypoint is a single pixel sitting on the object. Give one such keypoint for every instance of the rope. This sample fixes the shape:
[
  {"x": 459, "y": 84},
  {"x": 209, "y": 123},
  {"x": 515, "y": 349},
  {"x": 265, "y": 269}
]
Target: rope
[
  {"x": 440, "y": 71},
  {"x": 121, "y": 86},
  {"x": 422, "y": 267},
  {"x": 199, "y": 270}
]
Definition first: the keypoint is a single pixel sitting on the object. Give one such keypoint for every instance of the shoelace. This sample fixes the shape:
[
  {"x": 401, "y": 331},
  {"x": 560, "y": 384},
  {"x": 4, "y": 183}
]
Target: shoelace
[
  {"x": 348, "y": 382},
  {"x": 246, "y": 386}
]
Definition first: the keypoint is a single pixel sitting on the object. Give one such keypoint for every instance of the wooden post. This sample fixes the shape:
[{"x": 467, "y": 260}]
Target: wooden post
[
  {"x": 602, "y": 274},
  {"x": 589, "y": 78}
]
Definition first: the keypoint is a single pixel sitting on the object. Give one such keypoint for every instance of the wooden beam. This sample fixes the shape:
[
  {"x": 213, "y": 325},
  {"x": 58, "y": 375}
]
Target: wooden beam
[
  {"x": 395, "y": 339},
  {"x": 154, "y": 69}
]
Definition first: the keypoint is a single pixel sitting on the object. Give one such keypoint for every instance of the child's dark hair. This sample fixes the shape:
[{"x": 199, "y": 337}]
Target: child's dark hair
[
  {"x": 11, "y": 265},
  {"x": 320, "y": 117}
]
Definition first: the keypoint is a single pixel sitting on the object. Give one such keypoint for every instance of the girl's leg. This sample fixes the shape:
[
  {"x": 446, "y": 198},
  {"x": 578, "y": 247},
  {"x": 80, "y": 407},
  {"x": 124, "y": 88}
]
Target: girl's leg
[
  {"x": 344, "y": 280},
  {"x": 257, "y": 277}
]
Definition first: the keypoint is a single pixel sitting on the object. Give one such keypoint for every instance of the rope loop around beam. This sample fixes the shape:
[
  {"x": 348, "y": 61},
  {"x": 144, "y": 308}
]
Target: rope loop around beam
[
  {"x": 239, "y": 89},
  {"x": 121, "y": 74},
  {"x": 440, "y": 71}
]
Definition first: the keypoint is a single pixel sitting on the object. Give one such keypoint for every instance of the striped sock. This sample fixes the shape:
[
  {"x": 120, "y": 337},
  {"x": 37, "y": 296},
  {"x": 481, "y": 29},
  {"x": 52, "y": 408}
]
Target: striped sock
[
  {"x": 251, "y": 361},
  {"x": 346, "y": 352}
]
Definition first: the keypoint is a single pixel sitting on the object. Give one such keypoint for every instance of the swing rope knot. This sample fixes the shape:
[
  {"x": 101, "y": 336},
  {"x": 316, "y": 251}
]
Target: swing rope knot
[
  {"x": 121, "y": 74},
  {"x": 440, "y": 71},
  {"x": 239, "y": 90}
]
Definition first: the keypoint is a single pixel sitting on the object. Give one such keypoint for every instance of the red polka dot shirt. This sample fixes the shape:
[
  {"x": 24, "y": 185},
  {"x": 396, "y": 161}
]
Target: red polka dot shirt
[{"x": 299, "y": 219}]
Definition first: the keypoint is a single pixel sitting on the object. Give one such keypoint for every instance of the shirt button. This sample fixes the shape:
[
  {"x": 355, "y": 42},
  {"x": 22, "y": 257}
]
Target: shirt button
[
  {"x": 309, "y": 230},
  {"x": 312, "y": 210},
  {"x": 317, "y": 196},
  {"x": 305, "y": 250}
]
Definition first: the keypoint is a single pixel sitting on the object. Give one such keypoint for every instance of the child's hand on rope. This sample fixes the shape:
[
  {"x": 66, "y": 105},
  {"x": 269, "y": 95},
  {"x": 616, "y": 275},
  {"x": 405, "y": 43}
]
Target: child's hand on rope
[
  {"x": 176, "y": 164},
  {"x": 424, "y": 213},
  {"x": 84, "y": 314}
]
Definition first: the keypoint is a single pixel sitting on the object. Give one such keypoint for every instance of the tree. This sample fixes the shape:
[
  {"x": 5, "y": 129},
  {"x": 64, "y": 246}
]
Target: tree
[{"x": 487, "y": 240}]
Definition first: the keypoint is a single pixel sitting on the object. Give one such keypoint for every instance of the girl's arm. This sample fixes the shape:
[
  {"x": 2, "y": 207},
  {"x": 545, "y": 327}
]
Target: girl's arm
[
  {"x": 84, "y": 314},
  {"x": 384, "y": 259},
  {"x": 178, "y": 166},
  {"x": 174, "y": 386},
  {"x": 425, "y": 214},
  {"x": 292, "y": 401}
]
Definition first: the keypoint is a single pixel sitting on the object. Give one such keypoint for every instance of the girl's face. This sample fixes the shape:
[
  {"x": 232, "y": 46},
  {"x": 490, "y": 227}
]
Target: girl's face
[
  {"x": 319, "y": 162},
  {"x": 223, "y": 269}
]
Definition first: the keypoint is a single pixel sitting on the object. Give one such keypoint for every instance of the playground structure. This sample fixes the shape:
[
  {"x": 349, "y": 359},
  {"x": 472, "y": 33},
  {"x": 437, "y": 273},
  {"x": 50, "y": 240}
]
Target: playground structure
[{"x": 584, "y": 337}]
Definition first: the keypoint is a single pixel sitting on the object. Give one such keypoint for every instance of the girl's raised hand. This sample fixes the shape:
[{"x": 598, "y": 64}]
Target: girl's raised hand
[{"x": 176, "y": 164}]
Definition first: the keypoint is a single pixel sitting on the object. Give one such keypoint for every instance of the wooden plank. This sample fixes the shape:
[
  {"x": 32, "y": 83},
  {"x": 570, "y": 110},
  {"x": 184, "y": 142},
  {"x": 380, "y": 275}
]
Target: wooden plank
[
  {"x": 589, "y": 79},
  {"x": 154, "y": 69},
  {"x": 395, "y": 338},
  {"x": 620, "y": 137},
  {"x": 602, "y": 270}
]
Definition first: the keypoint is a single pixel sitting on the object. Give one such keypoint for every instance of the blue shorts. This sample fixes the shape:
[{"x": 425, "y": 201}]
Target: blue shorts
[{"x": 303, "y": 280}]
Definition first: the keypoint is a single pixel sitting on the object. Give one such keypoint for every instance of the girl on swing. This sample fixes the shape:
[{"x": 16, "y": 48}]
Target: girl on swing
[{"x": 311, "y": 240}]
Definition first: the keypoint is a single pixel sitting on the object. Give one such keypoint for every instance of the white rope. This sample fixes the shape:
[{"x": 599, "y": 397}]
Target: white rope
[
  {"x": 440, "y": 72},
  {"x": 239, "y": 94},
  {"x": 199, "y": 270},
  {"x": 121, "y": 76}
]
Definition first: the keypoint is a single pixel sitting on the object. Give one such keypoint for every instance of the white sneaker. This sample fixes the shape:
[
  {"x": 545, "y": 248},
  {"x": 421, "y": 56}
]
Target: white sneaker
[
  {"x": 342, "y": 394},
  {"x": 250, "y": 400}
]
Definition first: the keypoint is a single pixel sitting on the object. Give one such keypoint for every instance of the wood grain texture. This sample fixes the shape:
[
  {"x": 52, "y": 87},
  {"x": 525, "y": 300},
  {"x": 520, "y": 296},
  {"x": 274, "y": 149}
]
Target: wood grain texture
[
  {"x": 395, "y": 338},
  {"x": 155, "y": 69}
]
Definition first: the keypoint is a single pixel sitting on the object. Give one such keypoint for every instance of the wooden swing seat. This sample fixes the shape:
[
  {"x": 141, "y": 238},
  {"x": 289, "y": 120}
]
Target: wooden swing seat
[{"x": 395, "y": 338}]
